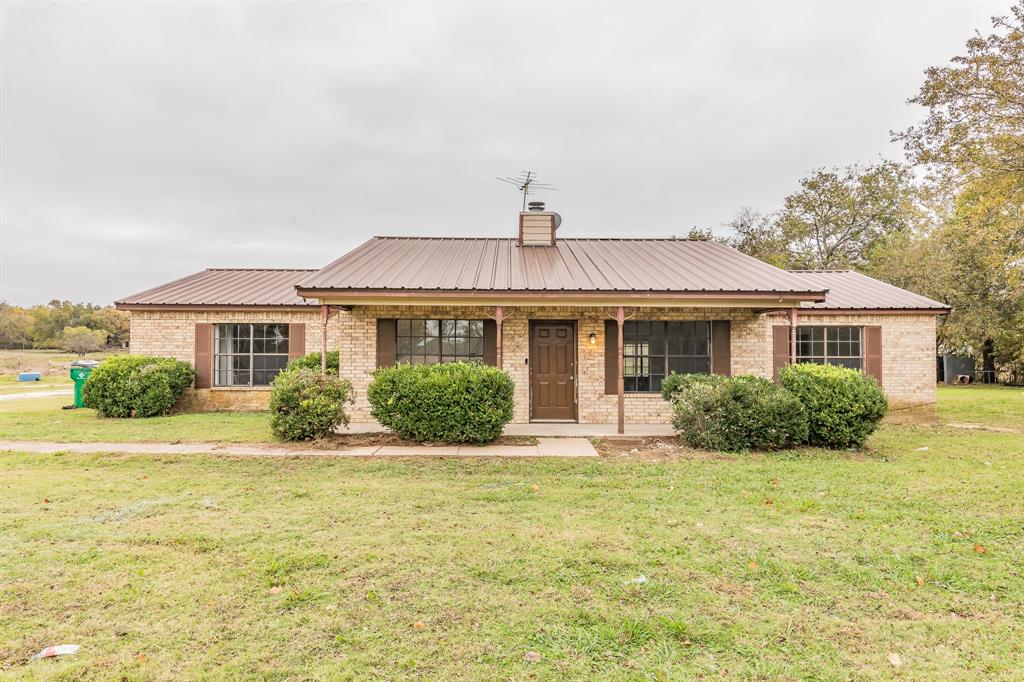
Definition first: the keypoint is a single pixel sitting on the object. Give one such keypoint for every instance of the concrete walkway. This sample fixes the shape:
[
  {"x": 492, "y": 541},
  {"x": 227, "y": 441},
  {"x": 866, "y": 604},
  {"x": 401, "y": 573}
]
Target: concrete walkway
[
  {"x": 553, "y": 430},
  {"x": 36, "y": 394},
  {"x": 546, "y": 447}
]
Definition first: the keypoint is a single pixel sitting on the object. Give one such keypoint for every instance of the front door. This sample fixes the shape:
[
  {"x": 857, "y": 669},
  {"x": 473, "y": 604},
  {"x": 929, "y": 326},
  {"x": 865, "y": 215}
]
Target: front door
[{"x": 552, "y": 370}]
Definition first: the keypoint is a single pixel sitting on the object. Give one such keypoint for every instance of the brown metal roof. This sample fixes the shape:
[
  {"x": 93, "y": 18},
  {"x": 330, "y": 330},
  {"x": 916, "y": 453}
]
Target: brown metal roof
[
  {"x": 849, "y": 290},
  {"x": 225, "y": 287},
  {"x": 571, "y": 265}
]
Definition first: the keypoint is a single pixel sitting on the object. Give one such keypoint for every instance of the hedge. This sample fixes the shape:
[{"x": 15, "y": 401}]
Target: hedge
[
  {"x": 461, "y": 402},
  {"x": 675, "y": 383},
  {"x": 312, "y": 361},
  {"x": 738, "y": 413},
  {"x": 136, "y": 386},
  {"x": 306, "y": 403},
  {"x": 844, "y": 406}
]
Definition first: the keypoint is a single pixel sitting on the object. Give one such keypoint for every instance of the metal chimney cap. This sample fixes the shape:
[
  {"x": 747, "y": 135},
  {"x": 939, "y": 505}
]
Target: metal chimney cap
[{"x": 536, "y": 206}]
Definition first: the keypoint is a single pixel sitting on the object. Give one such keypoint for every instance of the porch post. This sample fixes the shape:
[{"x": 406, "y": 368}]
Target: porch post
[
  {"x": 499, "y": 315},
  {"x": 323, "y": 339},
  {"x": 620, "y": 316},
  {"x": 792, "y": 336}
]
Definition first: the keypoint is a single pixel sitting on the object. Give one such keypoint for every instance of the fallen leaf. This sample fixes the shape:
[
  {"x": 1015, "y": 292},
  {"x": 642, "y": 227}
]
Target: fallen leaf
[
  {"x": 980, "y": 549},
  {"x": 775, "y": 482},
  {"x": 535, "y": 488},
  {"x": 768, "y": 501},
  {"x": 920, "y": 580},
  {"x": 895, "y": 660},
  {"x": 418, "y": 625},
  {"x": 46, "y": 500},
  {"x": 141, "y": 658},
  {"x": 531, "y": 657},
  {"x": 752, "y": 565},
  {"x": 276, "y": 589}
]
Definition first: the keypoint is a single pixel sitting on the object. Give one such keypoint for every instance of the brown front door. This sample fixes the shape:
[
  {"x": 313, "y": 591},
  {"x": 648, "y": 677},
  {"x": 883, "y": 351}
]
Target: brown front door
[{"x": 553, "y": 370}]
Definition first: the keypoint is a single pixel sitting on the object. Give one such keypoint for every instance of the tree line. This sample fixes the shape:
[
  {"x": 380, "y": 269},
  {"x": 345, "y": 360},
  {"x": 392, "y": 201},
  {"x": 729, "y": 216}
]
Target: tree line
[
  {"x": 75, "y": 327},
  {"x": 948, "y": 223}
]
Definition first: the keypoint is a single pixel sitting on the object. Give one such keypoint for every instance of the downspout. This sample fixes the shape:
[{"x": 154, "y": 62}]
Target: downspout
[
  {"x": 323, "y": 338},
  {"x": 620, "y": 316}
]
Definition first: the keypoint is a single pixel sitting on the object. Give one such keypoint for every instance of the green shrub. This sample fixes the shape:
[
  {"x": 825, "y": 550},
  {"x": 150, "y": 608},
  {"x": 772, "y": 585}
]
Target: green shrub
[
  {"x": 843, "y": 405},
  {"x": 312, "y": 361},
  {"x": 675, "y": 383},
  {"x": 738, "y": 413},
  {"x": 136, "y": 386},
  {"x": 305, "y": 404},
  {"x": 461, "y": 402}
]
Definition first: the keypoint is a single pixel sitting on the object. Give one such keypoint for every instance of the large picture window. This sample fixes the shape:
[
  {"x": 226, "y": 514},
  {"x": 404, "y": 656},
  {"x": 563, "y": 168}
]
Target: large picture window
[
  {"x": 421, "y": 342},
  {"x": 654, "y": 349},
  {"x": 830, "y": 345},
  {"x": 249, "y": 354}
]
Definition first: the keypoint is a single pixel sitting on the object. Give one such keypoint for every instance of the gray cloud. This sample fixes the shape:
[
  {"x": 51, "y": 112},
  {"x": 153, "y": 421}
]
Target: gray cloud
[{"x": 144, "y": 141}]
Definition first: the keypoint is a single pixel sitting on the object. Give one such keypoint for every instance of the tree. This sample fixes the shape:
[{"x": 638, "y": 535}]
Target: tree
[
  {"x": 15, "y": 327},
  {"x": 975, "y": 106},
  {"x": 834, "y": 220},
  {"x": 82, "y": 340}
]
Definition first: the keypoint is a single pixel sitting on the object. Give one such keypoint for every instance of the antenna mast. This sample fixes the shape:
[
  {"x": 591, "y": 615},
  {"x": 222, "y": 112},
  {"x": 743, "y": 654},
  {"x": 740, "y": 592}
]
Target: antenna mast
[{"x": 526, "y": 183}]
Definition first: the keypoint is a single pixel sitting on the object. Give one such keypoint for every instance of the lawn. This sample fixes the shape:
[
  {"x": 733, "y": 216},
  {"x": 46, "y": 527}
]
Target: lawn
[
  {"x": 1001, "y": 406},
  {"x": 52, "y": 364},
  {"x": 901, "y": 561}
]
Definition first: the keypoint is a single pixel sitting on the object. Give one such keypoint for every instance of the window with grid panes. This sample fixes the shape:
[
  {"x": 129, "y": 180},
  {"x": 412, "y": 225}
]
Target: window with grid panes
[
  {"x": 249, "y": 354},
  {"x": 422, "y": 342},
  {"x": 654, "y": 349},
  {"x": 830, "y": 345}
]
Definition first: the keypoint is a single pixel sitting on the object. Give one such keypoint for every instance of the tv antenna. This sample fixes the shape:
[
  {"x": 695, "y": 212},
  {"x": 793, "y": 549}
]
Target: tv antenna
[{"x": 526, "y": 182}]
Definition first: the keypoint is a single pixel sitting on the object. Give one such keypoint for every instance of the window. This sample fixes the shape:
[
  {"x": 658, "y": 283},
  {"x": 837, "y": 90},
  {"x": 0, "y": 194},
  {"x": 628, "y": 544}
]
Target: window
[
  {"x": 830, "y": 345},
  {"x": 249, "y": 354},
  {"x": 425, "y": 342},
  {"x": 652, "y": 350}
]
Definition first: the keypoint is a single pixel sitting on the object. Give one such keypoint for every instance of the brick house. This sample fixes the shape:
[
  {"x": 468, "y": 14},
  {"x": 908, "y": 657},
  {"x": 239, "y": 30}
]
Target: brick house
[{"x": 587, "y": 328}]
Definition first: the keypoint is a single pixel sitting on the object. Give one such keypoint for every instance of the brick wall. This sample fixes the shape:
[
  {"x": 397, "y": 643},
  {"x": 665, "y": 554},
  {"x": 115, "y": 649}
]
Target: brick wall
[
  {"x": 908, "y": 357},
  {"x": 173, "y": 334}
]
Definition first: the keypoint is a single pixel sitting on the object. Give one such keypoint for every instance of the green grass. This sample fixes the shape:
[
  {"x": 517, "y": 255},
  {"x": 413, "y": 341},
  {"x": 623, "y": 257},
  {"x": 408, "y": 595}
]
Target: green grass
[
  {"x": 794, "y": 565},
  {"x": 43, "y": 419},
  {"x": 986, "y": 405}
]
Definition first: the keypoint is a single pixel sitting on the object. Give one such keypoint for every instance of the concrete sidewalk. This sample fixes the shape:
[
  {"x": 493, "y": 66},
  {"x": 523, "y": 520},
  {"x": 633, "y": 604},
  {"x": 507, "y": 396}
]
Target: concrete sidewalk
[
  {"x": 36, "y": 394},
  {"x": 546, "y": 447}
]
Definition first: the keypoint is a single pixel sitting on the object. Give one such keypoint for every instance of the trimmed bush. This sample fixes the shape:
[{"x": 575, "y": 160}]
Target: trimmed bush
[
  {"x": 738, "y": 413},
  {"x": 312, "y": 361},
  {"x": 136, "y": 386},
  {"x": 844, "y": 406},
  {"x": 306, "y": 404},
  {"x": 460, "y": 402},
  {"x": 675, "y": 383}
]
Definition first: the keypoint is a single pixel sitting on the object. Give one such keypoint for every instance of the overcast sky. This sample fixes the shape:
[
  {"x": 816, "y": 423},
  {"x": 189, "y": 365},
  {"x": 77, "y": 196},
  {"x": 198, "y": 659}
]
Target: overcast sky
[{"x": 145, "y": 141}]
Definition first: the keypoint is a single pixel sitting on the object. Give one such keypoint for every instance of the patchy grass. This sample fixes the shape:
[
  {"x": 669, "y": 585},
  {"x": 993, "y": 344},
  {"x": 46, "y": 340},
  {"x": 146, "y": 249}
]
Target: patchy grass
[
  {"x": 984, "y": 405},
  {"x": 792, "y": 565}
]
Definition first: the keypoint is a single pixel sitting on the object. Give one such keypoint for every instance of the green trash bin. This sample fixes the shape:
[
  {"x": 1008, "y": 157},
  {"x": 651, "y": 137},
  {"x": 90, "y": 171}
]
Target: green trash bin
[{"x": 80, "y": 371}]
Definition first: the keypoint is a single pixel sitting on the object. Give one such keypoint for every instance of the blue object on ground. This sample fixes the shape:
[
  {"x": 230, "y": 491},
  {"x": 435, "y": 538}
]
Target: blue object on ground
[{"x": 29, "y": 376}]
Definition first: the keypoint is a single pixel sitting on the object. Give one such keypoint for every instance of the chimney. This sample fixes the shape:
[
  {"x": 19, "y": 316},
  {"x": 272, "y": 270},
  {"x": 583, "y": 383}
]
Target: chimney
[{"x": 537, "y": 227}]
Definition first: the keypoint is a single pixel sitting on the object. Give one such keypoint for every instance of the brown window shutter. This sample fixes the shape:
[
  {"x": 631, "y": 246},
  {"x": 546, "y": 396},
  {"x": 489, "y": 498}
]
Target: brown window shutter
[
  {"x": 491, "y": 343},
  {"x": 780, "y": 348},
  {"x": 873, "y": 352},
  {"x": 611, "y": 357},
  {"x": 721, "y": 356},
  {"x": 387, "y": 331},
  {"x": 296, "y": 341},
  {"x": 204, "y": 355}
]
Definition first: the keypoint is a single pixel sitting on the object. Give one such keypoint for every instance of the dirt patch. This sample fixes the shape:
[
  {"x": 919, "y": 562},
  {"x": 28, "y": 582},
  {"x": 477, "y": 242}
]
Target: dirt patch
[
  {"x": 359, "y": 440},
  {"x": 652, "y": 448}
]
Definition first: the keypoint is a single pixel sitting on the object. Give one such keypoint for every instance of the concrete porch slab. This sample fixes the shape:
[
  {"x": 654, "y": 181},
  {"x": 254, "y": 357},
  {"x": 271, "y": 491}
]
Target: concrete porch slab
[{"x": 549, "y": 430}]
